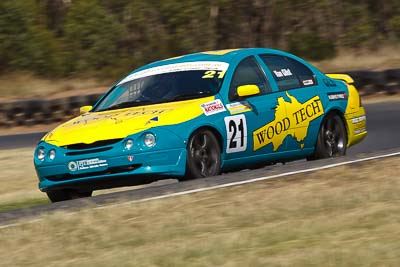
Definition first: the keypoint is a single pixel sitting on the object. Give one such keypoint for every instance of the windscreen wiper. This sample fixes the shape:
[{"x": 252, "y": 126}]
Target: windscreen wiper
[
  {"x": 192, "y": 96},
  {"x": 128, "y": 104}
]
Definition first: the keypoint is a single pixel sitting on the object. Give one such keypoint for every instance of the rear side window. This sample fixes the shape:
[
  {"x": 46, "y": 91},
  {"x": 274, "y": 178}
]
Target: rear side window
[
  {"x": 288, "y": 73},
  {"x": 248, "y": 72},
  {"x": 303, "y": 73}
]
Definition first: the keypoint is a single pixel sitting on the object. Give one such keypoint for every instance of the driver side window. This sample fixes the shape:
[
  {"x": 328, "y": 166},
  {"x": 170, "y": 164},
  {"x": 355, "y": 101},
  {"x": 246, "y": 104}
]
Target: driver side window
[{"x": 248, "y": 72}]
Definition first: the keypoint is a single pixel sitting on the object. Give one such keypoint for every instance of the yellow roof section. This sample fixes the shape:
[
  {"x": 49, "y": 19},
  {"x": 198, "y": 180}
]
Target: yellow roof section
[{"x": 220, "y": 52}]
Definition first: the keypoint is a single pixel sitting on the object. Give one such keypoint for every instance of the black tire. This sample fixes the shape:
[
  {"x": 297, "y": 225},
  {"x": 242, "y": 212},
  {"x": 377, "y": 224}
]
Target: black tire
[
  {"x": 203, "y": 156},
  {"x": 62, "y": 195},
  {"x": 332, "y": 138}
]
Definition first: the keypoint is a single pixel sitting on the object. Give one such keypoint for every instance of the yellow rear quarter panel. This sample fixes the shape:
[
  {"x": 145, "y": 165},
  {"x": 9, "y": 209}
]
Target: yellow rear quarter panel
[{"x": 355, "y": 116}]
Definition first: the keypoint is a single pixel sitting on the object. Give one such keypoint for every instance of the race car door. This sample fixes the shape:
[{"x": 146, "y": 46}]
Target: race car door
[
  {"x": 253, "y": 127},
  {"x": 303, "y": 104}
]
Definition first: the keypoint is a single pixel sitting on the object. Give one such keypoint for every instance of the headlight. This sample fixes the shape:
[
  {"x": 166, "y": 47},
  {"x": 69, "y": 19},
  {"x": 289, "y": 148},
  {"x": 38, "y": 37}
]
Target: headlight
[
  {"x": 52, "y": 154},
  {"x": 149, "y": 140},
  {"x": 41, "y": 153},
  {"x": 128, "y": 144}
]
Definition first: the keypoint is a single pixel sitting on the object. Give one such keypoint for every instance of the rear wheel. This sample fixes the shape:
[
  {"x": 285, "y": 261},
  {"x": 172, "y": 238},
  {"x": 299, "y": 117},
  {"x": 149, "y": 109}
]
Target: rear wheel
[
  {"x": 332, "y": 138},
  {"x": 67, "y": 194},
  {"x": 203, "y": 155}
]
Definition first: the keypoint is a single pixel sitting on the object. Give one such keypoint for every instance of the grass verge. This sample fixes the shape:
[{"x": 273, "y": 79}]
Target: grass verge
[
  {"x": 18, "y": 182},
  {"x": 346, "y": 216}
]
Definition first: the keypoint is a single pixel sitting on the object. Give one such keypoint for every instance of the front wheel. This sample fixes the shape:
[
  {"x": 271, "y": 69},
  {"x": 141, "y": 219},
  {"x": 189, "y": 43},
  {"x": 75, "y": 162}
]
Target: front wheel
[
  {"x": 332, "y": 138},
  {"x": 62, "y": 195},
  {"x": 203, "y": 155}
]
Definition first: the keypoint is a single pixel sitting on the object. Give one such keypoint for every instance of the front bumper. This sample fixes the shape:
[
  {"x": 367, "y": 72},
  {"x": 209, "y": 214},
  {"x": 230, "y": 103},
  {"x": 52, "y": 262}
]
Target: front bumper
[{"x": 111, "y": 165}]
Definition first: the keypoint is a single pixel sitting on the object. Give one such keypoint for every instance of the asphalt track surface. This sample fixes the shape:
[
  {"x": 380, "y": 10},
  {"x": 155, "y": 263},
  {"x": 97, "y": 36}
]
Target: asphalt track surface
[{"x": 383, "y": 125}]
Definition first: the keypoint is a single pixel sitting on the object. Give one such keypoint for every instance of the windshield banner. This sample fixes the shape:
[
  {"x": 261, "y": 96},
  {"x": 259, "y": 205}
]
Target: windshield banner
[{"x": 185, "y": 66}]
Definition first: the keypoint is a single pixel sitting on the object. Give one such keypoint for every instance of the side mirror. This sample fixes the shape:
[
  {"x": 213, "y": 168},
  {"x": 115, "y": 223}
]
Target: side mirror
[
  {"x": 85, "y": 109},
  {"x": 248, "y": 90}
]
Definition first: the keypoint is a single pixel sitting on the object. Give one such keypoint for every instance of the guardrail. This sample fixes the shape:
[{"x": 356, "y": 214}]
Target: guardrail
[{"x": 38, "y": 111}]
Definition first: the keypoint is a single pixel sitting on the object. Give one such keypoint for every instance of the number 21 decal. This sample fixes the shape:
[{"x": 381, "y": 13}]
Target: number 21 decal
[{"x": 236, "y": 132}]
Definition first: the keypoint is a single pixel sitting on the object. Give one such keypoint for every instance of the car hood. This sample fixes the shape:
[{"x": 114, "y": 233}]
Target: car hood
[{"x": 96, "y": 126}]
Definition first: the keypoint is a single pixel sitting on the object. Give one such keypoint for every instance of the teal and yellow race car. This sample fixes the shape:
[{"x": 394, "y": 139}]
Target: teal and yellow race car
[{"x": 199, "y": 115}]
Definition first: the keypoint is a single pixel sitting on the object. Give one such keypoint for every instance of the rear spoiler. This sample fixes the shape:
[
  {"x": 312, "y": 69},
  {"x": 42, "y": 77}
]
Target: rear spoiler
[
  {"x": 343, "y": 77},
  {"x": 353, "y": 93}
]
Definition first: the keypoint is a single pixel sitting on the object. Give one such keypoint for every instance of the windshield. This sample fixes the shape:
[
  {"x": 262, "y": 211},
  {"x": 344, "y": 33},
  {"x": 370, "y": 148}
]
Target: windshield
[{"x": 166, "y": 83}]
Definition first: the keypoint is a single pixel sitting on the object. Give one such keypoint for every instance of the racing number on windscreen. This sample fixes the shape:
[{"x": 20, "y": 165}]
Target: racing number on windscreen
[
  {"x": 236, "y": 132},
  {"x": 209, "y": 74}
]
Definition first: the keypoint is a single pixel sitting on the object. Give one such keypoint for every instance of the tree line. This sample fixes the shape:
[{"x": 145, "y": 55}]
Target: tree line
[{"x": 111, "y": 37}]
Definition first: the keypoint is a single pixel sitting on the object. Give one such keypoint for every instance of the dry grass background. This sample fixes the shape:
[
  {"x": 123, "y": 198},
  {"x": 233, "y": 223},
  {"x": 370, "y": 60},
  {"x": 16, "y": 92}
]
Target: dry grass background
[
  {"x": 347, "y": 216},
  {"x": 24, "y": 85},
  {"x": 385, "y": 57}
]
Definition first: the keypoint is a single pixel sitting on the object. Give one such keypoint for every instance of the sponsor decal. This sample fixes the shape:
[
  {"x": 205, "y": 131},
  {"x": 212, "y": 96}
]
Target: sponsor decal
[
  {"x": 291, "y": 119},
  {"x": 155, "y": 119},
  {"x": 358, "y": 131},
  {"x": 308, "y": 82},
  {"x": 358, "y": 119},
  {"x": 282, "y": 73},
  {"x": 177, "y": 67},
  {"x": 118, "y": 117},
  {"x": 87, "y": 164},
  {"x": 236, "y": 133},
  {"x": 359, "y": 124},
  {"x": 144, "y": 112},
  {"x": 337, "y": 96},
  {"x": 238, "y": 107},
  {"x": 213, "y": 107}
]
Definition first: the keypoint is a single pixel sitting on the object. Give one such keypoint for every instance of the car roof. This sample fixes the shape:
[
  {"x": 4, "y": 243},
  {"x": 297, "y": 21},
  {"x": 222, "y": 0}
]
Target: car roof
[{"x": 225, "y": 55}]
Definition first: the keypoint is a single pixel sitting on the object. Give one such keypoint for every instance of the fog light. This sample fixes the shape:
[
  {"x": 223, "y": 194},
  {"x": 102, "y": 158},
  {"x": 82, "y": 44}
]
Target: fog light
[
  {"x": 128, "y": 144},
  {"x": 149, "y": 140},
  {"x": 41, "y": 153},
  {"x": 52, "y": 154}
]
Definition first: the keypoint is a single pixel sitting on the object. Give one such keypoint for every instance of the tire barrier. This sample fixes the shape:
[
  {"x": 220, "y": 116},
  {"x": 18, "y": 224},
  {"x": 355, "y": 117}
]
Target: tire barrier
[
  {"x": 371, "y": 82},
  {"x": 38, "y": 111}
]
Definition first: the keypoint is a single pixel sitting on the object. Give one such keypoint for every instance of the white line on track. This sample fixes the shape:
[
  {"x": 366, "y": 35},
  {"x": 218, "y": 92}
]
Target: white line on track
[
  {"x": 252, "y": 180},
  {"x": 225, "y": 185}
]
